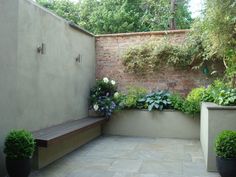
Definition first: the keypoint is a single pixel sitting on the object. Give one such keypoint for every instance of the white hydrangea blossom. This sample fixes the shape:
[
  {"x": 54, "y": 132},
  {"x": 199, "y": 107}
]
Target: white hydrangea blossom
[
  {"x": 105, "y": 79},
  {"x": 95, "y": 107},
  {"x": 116, "y": 94},
  {"x": 113, "y": 82}
]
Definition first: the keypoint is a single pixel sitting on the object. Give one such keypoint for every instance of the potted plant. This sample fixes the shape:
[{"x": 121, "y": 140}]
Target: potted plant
[
  {"x": 225, "y": 147},
  {"x": 19, "y": 148}
]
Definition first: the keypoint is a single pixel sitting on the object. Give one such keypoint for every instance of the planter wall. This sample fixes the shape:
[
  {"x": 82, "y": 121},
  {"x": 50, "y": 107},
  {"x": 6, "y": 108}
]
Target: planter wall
[
  {"x": 214, "y": 119},
  {"x": 155, "y": 124}
]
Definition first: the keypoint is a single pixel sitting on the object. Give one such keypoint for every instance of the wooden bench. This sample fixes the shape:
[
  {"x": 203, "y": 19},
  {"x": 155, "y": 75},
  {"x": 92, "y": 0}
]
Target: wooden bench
[{"x": 56, "y": 141}]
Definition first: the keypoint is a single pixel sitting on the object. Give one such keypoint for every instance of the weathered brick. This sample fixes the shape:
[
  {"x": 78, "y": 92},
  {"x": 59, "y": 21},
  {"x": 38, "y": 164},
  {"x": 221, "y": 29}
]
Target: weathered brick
[{"x": 109, "y": 49}]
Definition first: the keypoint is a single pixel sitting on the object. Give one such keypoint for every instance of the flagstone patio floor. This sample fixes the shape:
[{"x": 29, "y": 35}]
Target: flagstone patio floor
[{"x": 118, "y": 156}]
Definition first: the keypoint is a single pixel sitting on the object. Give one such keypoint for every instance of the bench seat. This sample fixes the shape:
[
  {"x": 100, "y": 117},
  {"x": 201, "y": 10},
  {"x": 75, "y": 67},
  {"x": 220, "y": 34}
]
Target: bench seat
[
  {"x": 46, "y": 136},
  {"x": 56, "y": 141}
]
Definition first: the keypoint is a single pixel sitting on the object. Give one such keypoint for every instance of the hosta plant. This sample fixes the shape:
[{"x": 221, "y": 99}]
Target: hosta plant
[{"x": 158, "y": 100}]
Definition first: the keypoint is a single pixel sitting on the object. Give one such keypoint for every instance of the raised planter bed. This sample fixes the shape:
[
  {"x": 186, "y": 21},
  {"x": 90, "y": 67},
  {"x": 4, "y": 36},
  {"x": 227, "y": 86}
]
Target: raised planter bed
[
  {"x": 214, "y": 119},
  {"x": 155, "y": 124}
]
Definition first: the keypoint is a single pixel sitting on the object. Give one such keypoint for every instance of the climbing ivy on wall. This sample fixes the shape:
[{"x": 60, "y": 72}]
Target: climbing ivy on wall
[{"x": 152, "y": 56}]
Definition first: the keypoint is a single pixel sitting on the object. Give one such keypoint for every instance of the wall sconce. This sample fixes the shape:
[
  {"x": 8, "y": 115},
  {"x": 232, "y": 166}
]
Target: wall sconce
[
  {"x": 78, "y": 58},
  {"x": 41, "y": 49}
]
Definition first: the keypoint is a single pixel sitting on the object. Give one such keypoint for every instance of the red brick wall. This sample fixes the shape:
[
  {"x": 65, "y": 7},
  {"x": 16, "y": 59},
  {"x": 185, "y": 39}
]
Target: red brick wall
[{"x": 109, "y": 49}]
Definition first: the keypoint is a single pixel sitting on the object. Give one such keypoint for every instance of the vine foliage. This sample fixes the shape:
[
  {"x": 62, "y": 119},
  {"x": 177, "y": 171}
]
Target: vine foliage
[{"x": 152, "y": 56}]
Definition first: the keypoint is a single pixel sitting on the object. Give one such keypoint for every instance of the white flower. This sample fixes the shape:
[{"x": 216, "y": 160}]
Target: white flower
[
  {"x": 116, "y": 94},
  {"x": 113, "y": 82},
  {"x": 95, "y": 107},
  {"x": 105, "y": 79}
]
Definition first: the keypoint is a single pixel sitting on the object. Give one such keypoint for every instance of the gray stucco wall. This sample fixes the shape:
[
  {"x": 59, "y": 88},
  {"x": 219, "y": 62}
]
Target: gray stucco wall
[{"x": 36, "y": 90}]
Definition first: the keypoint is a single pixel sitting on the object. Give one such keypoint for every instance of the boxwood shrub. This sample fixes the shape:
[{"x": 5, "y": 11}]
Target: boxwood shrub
[
  {"x": 225, "y": 145},
  {"x": 19, "y": 144}
]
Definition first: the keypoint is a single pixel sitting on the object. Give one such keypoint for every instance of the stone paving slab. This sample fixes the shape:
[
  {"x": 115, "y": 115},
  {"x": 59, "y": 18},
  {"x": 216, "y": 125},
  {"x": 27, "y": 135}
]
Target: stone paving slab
[{"x": 117, "y": 156}]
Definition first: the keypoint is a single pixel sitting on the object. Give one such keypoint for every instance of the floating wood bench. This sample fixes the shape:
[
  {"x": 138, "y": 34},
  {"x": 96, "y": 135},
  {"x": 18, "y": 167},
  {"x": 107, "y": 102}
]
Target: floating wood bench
[{"x": 56, "y": 141}]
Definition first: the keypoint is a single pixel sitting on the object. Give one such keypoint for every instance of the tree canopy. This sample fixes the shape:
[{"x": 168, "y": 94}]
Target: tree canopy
[{"x": 106, "y": 16}]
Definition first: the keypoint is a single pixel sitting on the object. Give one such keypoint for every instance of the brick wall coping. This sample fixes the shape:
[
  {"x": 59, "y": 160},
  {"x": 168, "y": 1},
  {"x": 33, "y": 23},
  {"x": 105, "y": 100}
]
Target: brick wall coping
[{"x": 144, "y": 33}]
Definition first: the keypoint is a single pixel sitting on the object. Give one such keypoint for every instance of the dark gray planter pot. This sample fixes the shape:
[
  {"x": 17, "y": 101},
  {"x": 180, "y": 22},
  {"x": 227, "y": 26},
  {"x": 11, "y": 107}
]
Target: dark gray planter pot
[
  {"x": 226, "y": 167},
  {"x": 18, "y": 168}
]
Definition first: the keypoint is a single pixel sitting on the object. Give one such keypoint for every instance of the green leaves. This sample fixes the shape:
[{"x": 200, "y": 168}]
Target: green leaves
[
  {"x": 152, "y": 56},
  {"x": 226, "y": 97},
  {"x": 220, "y": 93},
  {"x": 119, "y": 16},
  {"x": 19, "y": 144},
  {"x": 158, "y": 100},
  {"x": 225, "y": 145},
  {"x": 64, "y": 8},
  {"x": 190, "y": 105},
  {"x": 130, "y": 100},
  {"x": 215, "y": 33}
]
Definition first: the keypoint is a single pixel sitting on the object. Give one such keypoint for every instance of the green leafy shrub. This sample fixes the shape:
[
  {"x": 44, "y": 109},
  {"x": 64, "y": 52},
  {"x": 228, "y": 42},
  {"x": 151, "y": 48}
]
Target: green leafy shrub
[
  {"x": 158, "y": 100},
  {"x": 191, "y": 107},
  {"x": 190, "y": 104},
  {"x": 19, "y": 144},
  {"x": 196, "y": 94},
  {"x": 130, "y": 100},
  {"x": 177, "y": 102},
  {"x": 102, "y": 96},
  {"x": 225, "y": 145}
]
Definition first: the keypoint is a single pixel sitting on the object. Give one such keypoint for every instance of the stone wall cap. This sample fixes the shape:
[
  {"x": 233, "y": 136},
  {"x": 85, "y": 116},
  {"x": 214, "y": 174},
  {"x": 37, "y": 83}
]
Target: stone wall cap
[
  {"x": 144, "y": 33},
  {"x": 213, "y": 106}
]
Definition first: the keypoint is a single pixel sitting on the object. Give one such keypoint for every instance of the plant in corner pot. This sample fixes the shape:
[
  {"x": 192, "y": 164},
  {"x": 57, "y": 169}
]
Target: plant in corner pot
[
  {"x": 102, "y": 97},
  {"x": 225, "y": 147},
  {"x": 19, "y": 149}
]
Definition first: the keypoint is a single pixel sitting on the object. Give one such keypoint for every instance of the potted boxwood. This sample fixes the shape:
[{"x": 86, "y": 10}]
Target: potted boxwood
[
  {"x": 225, "y": 147},
  {"x": 19, "y": 148}
]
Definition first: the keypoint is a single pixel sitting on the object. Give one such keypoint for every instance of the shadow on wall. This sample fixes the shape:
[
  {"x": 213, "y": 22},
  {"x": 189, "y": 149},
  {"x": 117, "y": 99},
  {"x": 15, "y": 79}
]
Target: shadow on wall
[{"x": 44, "y": 88}]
